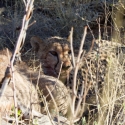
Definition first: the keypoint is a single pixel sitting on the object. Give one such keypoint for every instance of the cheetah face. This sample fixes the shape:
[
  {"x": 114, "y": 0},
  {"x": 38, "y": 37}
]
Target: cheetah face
[{"x": 55, "y": 55}]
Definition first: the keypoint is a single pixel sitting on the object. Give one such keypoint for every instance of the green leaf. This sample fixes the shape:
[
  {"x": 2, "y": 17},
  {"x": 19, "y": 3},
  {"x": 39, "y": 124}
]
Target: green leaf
[{"x": 83, "y": 121}]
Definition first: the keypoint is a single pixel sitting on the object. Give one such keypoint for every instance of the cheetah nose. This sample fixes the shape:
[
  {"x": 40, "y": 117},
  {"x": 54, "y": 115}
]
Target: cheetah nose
[{"x": 65, "y": 67}]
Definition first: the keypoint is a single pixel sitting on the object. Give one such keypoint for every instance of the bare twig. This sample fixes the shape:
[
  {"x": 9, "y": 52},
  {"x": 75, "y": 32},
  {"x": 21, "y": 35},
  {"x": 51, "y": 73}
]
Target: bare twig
[
  {"x": 91, "y": 31},
  {"x": 60, "y": 70},
  {"x": 21, "y": 38},
  {"x": 38, "y": 77},
  {"x": 71, "y": 45},
  {"x": 47, "y": 110},
  {"x": 99, "y": 30},
  {"x": 76, "y": 71},
  {"x": 32, "y": 23},
  {"x": 92, "y": 40},
  {"x": 57, "y": 110},
  {"x": 24, "y": 2},
  {"x": 86, "y": 89},
  {"x": 92, "y": 45},
  {"x": 80, "y": 100},
  {"x": 97, "y": 69}
]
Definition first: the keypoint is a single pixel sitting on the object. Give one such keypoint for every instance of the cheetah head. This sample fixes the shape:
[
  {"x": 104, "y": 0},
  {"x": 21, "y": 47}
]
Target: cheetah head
[{"x": 55, "y": 55}]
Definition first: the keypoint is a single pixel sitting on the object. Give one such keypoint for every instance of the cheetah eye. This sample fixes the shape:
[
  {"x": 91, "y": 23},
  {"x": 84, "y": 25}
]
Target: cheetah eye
[
  {"x": 53, "y": 53},
  {"x": 69, "y": 52}
]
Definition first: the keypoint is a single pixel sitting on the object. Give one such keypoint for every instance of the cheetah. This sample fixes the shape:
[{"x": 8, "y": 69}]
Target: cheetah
[
  {"x": 30, "y": 89},
  {"x": 22, "y": 84},
  {"x": 97, "y": 68}
]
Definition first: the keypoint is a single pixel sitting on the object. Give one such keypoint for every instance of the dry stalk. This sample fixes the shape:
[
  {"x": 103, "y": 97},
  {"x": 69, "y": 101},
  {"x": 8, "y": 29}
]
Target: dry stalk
[
  {"x": 25, "y": 22},
  {"x": 71, "y": 45},
  {"x": 97, "y": 75},
  {"x": 57, "y": 110},
  {"x": 38, "y": 77},
  {"x": 49, "y": 93},
  {"x": 47, "y": 110},
  {"x": 91, "y": 31},
  {"x": 91, "y": 47},
  {"x": 80, "y": 100},
  {"x": 60, "y": 70},
  {"x": 46, "y": 105},
  {"x": 86, "y": 89},
  {"x": 24, "y": 2},
  {"x": 107, "y": 15},
  {"x": 75, "y": 73},
  {"x": 32, "y": 23},
  {"x": 99, "y": 30}
]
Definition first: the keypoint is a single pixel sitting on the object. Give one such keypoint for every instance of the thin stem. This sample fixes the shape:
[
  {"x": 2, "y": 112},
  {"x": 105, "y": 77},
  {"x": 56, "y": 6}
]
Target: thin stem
[
  {"x": 71, "y": 45},
  {"x": 76, "y": 71}
]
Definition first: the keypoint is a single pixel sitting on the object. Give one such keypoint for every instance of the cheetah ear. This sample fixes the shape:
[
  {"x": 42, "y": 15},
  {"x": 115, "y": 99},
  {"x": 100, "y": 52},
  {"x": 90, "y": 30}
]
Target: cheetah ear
[
  {"x": 36, "y": 43},
  {"x": 68, "y": 38},
  {"x": 70, "y": 35}
]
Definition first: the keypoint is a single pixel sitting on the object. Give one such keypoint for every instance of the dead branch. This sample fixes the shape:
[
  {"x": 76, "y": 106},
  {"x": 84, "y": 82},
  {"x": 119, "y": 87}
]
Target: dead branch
[
  {"x": 76, "y": 71},
  {"x": 60, "y": 70},
  {"x": 47, "y": 110},
  {"x": 97, "y": 69},
  {"x": 57, "y": 110},
  {"x": 71, "y": 45}
]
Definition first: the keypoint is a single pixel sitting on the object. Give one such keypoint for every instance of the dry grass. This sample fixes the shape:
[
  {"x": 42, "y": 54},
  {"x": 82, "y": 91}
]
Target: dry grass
[{"x": 56, "y": 18}]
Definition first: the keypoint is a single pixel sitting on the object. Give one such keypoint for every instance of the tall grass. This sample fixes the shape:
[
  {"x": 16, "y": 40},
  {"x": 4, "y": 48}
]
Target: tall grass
[{"x": 56, "y": 18}]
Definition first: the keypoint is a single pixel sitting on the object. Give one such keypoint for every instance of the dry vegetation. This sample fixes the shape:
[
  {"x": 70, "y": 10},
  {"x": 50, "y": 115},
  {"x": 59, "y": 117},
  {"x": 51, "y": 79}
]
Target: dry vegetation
[{"x": 105, "y": 20}]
